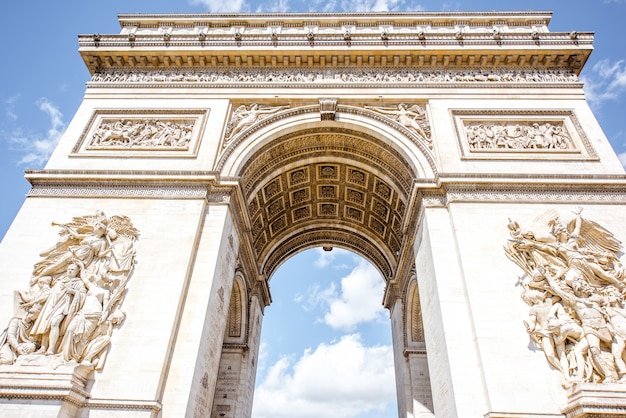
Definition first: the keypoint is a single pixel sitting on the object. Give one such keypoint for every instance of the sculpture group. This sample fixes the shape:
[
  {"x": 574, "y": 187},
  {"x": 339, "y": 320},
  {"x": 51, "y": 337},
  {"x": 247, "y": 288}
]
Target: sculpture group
[
  {"x": 545, "y": 136},
  {"x": 76, "y": 291},
  {"x": 145, "y": 133},
  {"x": 575, "y": 285}
]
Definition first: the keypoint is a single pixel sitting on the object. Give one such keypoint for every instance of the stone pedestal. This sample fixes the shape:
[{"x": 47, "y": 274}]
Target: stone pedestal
[
  {"x": 44, "y": 385},
  {"x": 589, "y": 400}
]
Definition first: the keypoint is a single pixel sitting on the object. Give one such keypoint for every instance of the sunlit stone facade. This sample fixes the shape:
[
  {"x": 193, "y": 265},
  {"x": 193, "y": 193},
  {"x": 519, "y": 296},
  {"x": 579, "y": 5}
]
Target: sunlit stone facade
[{"x": 208, "y": 149}]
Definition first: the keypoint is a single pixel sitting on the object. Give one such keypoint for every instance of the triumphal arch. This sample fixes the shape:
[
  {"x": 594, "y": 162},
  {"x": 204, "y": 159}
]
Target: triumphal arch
[{"x": 455, "y": 151}]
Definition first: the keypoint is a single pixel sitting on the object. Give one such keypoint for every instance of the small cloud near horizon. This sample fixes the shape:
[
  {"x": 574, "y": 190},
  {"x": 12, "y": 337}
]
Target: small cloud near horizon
[{"x": 37, "y": 147}]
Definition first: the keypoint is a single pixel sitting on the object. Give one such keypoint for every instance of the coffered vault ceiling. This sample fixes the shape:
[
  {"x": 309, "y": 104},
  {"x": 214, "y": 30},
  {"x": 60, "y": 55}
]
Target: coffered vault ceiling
[{"x": 327, "y": 187}]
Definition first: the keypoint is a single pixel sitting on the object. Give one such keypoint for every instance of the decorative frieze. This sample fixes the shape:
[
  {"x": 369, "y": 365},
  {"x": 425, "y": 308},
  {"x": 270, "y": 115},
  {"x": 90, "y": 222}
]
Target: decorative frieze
[
  {"x": 454, "y": 194},
  {"x": 339, "y": 77},
  {"x": 121, "y": 191},
  {"x": 534, "y": 195}
]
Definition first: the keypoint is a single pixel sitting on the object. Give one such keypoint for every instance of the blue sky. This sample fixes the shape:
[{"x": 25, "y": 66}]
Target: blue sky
[{"x": 331, "y": 307}]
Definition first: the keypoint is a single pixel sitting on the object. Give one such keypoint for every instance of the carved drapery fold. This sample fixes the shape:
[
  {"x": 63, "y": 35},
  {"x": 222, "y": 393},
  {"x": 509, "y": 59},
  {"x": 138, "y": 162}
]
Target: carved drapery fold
[
  {"x": 574, "y": 284},
  {"x": 73, "y": 303}
]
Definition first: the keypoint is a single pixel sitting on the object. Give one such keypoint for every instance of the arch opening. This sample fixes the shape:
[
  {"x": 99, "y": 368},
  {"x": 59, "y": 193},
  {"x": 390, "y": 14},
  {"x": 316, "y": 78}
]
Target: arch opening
[
  {"x": 341, "y": 186},
  {"x": 326, "y": 342}
]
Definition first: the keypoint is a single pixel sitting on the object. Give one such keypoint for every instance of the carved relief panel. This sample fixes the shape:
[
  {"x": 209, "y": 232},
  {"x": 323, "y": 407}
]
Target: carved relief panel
[
  {"x": 490, "y": 134},
  {"x": 574, "y": 284},
  {"x": 73, "y": 303},
  {"x": 141, "y": 133}
]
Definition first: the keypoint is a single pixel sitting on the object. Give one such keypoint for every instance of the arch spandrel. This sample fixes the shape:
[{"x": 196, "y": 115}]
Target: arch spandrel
[
  {"x": 415, "y": 152},
  {"x": 308, "y": 182}
]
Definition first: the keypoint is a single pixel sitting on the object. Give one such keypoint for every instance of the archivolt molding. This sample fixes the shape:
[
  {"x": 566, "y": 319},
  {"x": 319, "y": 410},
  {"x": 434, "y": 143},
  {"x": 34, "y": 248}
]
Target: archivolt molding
[
  {"x": 326, "y": 145},
  {"x": 333, "y": 237},
  {"x": 332, "y": 178},
  {"x": 335, "y": 175},
  {"x": 422, "y": 145}
]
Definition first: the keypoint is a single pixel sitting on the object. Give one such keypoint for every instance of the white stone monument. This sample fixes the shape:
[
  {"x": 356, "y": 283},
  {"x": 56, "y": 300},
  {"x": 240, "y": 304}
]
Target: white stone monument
[{"x": 455, "y": 151}]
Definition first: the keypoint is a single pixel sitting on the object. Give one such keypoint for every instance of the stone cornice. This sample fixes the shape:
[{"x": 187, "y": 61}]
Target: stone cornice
[
  {"x": 547, "y": 180},
  {"x": 443, "y": 181},
  {"x": 322, "y": 40},
  {"x": 112, "y": 176},
  {"x": 124, "y": 184},
  {"x": 407, "y": 18}
]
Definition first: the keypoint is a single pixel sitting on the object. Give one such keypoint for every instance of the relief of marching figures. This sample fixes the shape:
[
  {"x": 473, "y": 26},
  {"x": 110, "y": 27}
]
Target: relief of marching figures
[
  {"x": 575, "y": 286},
  {"x": 76, "y": 291},
  {"x": 527, "y": 135},
  {"x": 341, "y": 76},
  {"x": 142, "y": 133}
]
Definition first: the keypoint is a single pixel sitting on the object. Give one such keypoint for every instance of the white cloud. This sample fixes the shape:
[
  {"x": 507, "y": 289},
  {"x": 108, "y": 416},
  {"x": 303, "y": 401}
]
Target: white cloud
[
  {"x": 220, "y": 6},
  {"x": 277, "y": 6},
  {"x": 344, "y": 379},
  {"x": 316, "y": 297},
  {"x": 362, "y": 6},
  {"x": 10, "y": 102},
  {"x": 324, "y": 258},
  {"x": 37, "y": 148},
  {"x": 606, "y": 81},
  {"x": 373, "y": 5},
  {"x": 358, "y": 301}
]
